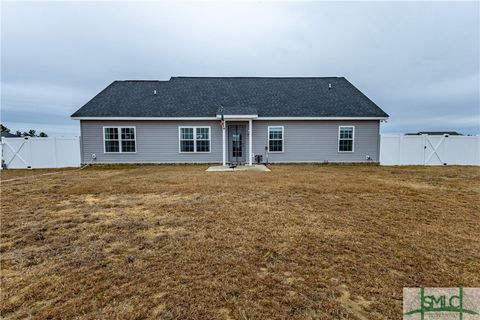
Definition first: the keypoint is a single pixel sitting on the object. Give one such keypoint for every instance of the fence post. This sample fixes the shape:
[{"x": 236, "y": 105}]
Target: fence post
[
  {"x": 55, "y": 151},
  {"x": 29, "y": 143},
  {"x": 425, "y": 137},
  {"x": 400, "y": 142},
  {"x": 1, "y": 153}
]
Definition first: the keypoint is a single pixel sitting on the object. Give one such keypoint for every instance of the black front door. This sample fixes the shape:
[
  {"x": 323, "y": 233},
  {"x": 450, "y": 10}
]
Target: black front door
[{"x": 236, "y": 143}]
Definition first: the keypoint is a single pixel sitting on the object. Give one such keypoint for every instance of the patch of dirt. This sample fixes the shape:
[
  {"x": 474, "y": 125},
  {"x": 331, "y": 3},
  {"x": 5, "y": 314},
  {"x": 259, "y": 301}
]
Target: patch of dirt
[{"x": 356, "y": 306}]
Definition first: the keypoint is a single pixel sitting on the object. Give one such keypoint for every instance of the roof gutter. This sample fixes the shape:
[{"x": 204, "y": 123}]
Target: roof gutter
[
  {"x": 254, "y": 117},
  {"x": 322, "y": 118},
  {"x": 144, "y": 118}
]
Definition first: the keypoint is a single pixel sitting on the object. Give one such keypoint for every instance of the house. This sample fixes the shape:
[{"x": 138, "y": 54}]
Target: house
[
  {"x": 435, "y": 133},
  {"x": 230, "y": 119}
]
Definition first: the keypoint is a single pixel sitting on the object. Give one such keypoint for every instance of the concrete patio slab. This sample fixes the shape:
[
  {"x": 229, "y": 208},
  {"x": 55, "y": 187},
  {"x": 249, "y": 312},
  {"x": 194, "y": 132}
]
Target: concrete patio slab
[{"x": 255, "y": 167}]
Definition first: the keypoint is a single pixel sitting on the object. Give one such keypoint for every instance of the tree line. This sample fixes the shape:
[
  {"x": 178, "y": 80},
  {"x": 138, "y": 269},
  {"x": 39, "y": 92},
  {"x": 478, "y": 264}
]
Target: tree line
[{"x": 30, "y": 133}]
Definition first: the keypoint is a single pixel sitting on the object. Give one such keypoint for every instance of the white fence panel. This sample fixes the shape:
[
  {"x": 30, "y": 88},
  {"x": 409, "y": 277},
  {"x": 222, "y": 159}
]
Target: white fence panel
[
  {"x": 43, "y": 153},
  {"x": 429, "y": 150},
  {"x": 389, "y": 149},
  {"x": 68, "y": 152},
  {"x": 16, "y": 153},
  {"x": 463, "y": 150},
  {"x": 23, "y": 153},
  {"x": 435, "y": 152},
  {"x": 408, "y": 153}
]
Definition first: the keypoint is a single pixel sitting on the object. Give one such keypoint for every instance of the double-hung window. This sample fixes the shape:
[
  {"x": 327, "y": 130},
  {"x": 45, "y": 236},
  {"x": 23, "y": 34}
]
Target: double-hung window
[
  {"x": 128, "y": 139},
  {"x": 119, "y": 139},
  {"x": 194, "y": 139},
  {"x": 275, "y": 139},
  {"x": 345, "y": 138},
  {"x": 187, "y": 140}
]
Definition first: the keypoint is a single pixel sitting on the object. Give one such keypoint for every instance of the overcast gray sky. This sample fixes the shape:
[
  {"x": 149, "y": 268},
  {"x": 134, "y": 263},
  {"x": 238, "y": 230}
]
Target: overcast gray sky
[{"x": 419, "y": 61}]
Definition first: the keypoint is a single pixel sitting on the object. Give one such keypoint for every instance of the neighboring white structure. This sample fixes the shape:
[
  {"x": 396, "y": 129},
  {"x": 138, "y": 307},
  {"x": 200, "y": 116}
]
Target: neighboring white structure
[
  {"x": 27, "y": 152},
  {"x": 399, "y": 149}
]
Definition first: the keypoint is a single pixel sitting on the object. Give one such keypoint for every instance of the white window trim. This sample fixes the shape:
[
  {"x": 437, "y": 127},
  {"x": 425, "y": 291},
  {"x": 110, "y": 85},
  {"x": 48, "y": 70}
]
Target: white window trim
[
  {"x": 283, "y": 139},
  {"x": 120, "y": 139},
  {"x": 194, "y": 139},
  {"x": 353, "y": 139}
]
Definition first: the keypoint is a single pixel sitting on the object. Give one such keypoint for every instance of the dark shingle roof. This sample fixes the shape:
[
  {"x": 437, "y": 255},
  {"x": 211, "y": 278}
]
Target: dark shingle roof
[
  {"x": 202, "y": 97},
  {"x": 435, "y": 133}
]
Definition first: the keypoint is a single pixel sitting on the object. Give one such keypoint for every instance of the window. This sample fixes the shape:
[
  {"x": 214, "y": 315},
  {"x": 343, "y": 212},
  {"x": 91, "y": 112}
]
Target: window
[
  {"x": 345, "y": 139},
  {"x": 119, "y": 139},
  {"x": 194, "y": 139},
  {"x": 203, "y": 140},
  {"x": 187, "y": 142},
  {"x": 237, "y": 145},
  {"x": 112, "y": 143},
  {"x": 275, "y": 139}
]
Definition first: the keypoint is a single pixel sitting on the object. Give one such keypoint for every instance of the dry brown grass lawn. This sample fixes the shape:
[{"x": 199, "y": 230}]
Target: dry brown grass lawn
[{"x": 300, "y": 242}]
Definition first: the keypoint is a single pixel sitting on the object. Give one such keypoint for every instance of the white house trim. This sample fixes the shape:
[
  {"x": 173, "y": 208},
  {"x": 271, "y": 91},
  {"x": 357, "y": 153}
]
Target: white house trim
[
  {"x": 224, "y": 155},
  {"x": 320, "y": 118},
  {"x": 238, "y": 117},
  {"x": 145, "y": 118},
  {"x": 229, "y": 117},
  {"x": 250, "y": 133}
]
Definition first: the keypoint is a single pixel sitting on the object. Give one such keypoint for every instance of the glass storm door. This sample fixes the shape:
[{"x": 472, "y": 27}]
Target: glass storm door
[{"x": 236, "y": 143}]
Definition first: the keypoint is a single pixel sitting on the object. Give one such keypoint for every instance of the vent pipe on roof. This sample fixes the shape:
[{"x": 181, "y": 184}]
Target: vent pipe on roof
[
  {"x": 329, "y": 86},
  {"x": 155, "y": 92}
]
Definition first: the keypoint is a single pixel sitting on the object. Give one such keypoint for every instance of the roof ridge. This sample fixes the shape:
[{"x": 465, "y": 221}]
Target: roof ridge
[
  {"x": 252, "y": 77},
  {"x": 141, "y": 80}
]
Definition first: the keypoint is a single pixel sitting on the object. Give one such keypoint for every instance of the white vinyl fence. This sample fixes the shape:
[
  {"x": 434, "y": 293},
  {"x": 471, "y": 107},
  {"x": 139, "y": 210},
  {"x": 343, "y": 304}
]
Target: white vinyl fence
[
  {"x": 395, "y": 149},
  {"x": 398, "y": 149},
  {"x": 26, "y": 153}
]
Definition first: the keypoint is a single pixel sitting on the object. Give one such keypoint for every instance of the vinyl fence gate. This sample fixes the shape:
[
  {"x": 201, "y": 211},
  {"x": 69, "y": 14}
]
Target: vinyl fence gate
[
  {"x": 32, "y": 153},
  {"x": 398, "y": 149}
]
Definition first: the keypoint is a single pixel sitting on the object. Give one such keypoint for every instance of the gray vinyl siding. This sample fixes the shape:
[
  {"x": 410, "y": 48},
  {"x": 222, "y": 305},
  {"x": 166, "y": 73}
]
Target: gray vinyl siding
[
  {"x": 304, "y": 141},
  {"x": 156, "y": 142},
  {"x": 317, "y": 141}
]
